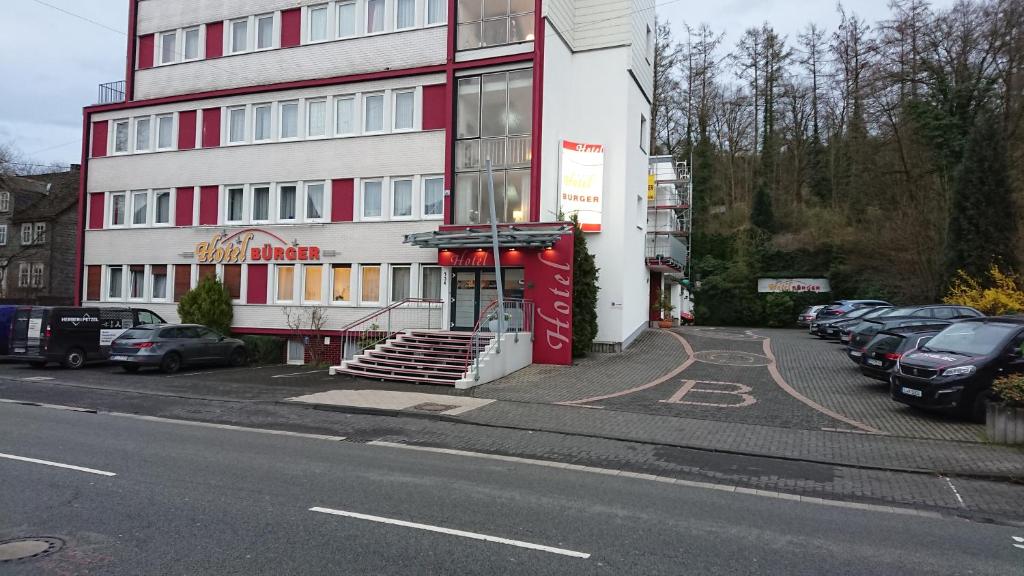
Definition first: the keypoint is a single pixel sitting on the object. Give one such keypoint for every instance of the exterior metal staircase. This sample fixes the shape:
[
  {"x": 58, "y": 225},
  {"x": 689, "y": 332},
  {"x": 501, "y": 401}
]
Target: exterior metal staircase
[{"x": 418, "y": 356}]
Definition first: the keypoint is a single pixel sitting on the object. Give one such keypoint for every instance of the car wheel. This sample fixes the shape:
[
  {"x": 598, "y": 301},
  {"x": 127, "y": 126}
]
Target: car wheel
[
  {"x": 171, "y": 363},
  {"x": 238, "y": 357},
  {"x": 74, "y": 359},
  {"x": 130, "y": 368},
  {"x": 37, "y": 365}
]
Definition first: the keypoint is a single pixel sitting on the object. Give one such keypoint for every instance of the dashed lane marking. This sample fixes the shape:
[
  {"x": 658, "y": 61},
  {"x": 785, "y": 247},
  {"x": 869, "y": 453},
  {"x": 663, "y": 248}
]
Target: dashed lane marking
[{"x": 57, "y": 465}]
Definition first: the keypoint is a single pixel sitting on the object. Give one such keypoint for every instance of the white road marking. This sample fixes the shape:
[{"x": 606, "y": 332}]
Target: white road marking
[
  {"x": 57, "y": 464},
  {"x": 1020, "y": 541},
  {"x": 449, "y": 531},
  {"x": 40, "y": 405},
  {"x": 225, "y": 426},
  {"x": 955, "y": 492},
  {"x": 37, "y": 379},
  {"x": 293, "y": 374}
]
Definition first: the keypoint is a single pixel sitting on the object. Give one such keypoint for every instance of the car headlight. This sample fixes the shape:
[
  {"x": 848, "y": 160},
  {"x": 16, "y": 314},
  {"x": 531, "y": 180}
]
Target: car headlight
[{"x": 959, "y": 371}]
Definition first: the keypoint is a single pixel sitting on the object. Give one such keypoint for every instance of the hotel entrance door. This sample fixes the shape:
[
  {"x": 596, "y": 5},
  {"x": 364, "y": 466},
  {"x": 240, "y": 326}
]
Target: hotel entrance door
[{"x": 474, "y": 289}]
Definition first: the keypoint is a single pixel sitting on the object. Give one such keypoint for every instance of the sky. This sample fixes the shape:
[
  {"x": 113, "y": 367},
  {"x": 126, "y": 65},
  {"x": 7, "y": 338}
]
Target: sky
[{"x": 52, "y": 62}]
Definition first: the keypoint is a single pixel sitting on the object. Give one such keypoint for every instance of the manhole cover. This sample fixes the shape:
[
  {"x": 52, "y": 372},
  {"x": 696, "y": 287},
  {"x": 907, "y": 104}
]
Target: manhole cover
[
  {"x": 27, "y": 548},
  {"x": 432, "y": 407}
]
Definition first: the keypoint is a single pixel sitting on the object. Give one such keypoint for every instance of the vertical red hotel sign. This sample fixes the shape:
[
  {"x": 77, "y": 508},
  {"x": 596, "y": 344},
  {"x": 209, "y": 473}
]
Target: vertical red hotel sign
[{"x": 581, "y": 183}]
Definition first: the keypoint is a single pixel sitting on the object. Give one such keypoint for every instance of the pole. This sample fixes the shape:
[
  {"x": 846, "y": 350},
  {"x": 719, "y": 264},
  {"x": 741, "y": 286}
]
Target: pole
[{"x": 497, "y": 255}]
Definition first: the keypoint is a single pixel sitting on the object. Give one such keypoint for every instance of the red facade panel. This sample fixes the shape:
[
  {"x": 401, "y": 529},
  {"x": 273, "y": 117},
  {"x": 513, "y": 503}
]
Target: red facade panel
[
  {"x": 291, "y": 27},
  {"x": 342, "y": 200},
  {"x": 434, "y": 107},
  {"x": 211, "y": 127},
  {"x": 183, "y": 206},
  {"x": 99, "y": 138},
  {"x": 96, "y": 211},
  {"x": 187, "y": 130},
  {"x": 146, "y": 48},
  {"x": 256, "y": 290},
  {"x": 208, "y": 205},
  {"x": 214, "y": 39}
]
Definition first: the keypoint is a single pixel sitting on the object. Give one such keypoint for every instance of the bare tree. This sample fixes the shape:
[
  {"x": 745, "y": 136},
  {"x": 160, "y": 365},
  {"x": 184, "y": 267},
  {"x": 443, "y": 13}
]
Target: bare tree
[{"x": 307, "y": 323}]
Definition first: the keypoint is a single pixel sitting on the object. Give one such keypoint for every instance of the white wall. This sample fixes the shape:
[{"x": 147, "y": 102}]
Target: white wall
[{"x": 514, "y": 356}]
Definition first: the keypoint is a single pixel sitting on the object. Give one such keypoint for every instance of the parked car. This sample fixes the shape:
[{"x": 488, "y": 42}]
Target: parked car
[
  {"x": 171, "y": 346},
  {"x": 70, "y": 335},
  {"x": 846, "y": 329},
  {"x": 887, "y": 347},
  {"x": 807, "y": 316},
  {"x": 843, "y": 307},
  {"x": 954, "y": 371},
  {"x": 6, "y": 320},
  {"x": 833, "y": 329},
  {"x": 862, "y": 335}
]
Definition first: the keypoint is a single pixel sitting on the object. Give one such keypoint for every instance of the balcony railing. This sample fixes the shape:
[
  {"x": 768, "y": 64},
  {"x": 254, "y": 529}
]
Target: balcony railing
[
  {"x": 111, "y": 93},
  {"x": 665, "y": 253}
]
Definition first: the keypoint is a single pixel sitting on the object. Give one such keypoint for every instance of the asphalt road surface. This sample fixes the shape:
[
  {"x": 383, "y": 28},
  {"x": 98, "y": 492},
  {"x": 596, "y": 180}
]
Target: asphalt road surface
[{"x": 149, "y": 497}]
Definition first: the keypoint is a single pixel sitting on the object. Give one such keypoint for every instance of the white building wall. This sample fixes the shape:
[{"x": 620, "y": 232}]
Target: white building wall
[
  {"x": 603, "y": 23},
  {"x": 642, "y": 28},
  {"x": 561, "y": 15}
]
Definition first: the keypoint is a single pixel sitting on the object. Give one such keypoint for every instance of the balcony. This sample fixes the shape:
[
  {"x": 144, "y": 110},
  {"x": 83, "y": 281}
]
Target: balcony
[
  {"x": 111, "y": 93},
  {"x": 666, "y": 253}
]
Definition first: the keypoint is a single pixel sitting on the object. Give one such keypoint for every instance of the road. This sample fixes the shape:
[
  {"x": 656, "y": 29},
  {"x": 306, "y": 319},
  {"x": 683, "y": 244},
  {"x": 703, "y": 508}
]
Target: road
[{"x": 194, "y": 499}]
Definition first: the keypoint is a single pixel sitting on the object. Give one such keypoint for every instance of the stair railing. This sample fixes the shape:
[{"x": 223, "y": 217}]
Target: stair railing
[
  {"x": 515, "y": 317},
  {"x": 383, "y": 324}
]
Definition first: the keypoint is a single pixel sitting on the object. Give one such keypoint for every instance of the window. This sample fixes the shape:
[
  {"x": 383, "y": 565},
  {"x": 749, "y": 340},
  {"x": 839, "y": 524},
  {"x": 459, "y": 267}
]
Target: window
[
  {"x": 401, "y": 198},
  {"x": 373, "y": 107},
  {"x": 312, "y": 283},
  {"x": 5, "y": 201},
  {"x": 240, "y": 35},
  {"x": 142, "y": 136},
  {"x": 341, "y": 283},
  {"x": 286, "y": 202},
  {"x": 433, "y": 197},
  {"x": 24, "y": 274},
  {"x": 140, "y": 208},
  {"x": 168, "y": 47},
  {"x": 371, "y": 199},
  {"x": 38, "y": 274},
  {"x": 314, "y": 201},
  {"x": 26, "y": 234},
  {"x": 159, "y": 282},
  {"x": 136, "y": 281},
  {"x": 289, "y": 120},
  {"x": 117, "y": 209},
  {"x": 494, "y": 120},
  {"x": 404, "y": 109},
  {"x": 233, "y": 280},
  {"x": 3, "y": 234},
  {"x": 400, "y": 279},
  {"x": 369, "y": 288},
  {"x": 40, "y": 233},
  {"x": 643, "y": 133},
  {"x": 236, "y": 125},
  {"x": 430, "y": 285},
  {"x": 437, "y": 11},
  {"x": 235, "y": 204},
  {"x": 405, "y": 14},
  {"x": 260, "y": 203},
  {"x": 164, "y": 132},
  {"x": 115, "y": 279},
  {"x": 121, "y": 136},
  {"x": 374, "y": 16},
  {"x": 265, "y": 32},
  {"x": 162, "y": 207},
  {"x": 317, "y": 23},
  {"x": 483, "y": 23},
  {"x": 346, "y": 19},
  {"x": 261, "y": 122},
  {"x": 316, "y": 118},
  {"x": 344, "y": 115},
  {"x": 649, "y": 45},
  {"x": 285, "y": 283},
  {"x": 191, "y": 44}
]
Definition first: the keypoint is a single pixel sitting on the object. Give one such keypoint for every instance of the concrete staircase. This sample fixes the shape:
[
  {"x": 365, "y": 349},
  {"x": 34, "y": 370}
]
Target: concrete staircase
[{"x": 419, "y": 357}]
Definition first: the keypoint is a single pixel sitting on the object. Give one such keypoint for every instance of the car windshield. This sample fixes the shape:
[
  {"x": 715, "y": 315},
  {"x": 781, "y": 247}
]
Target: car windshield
[
  {"x": 136, "y": 334},
  {"x": 904, "y": 311},
  {"x": 886, "y": 343},
  {"x": 857, "y": 313},
  {"x": 876, "y": 312},
  {"x": 971, "y": 338}
]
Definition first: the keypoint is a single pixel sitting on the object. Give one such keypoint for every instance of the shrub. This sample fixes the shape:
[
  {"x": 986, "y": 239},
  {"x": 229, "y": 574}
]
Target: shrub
[
  {"x": 1010, "y": 390},
  {"x": 1001, "y": 293},
  {"x": 208, "y": 304},
  {"x": 584, "y": 292},
  {"x": 779, "y": 310},
  {"x": 264, "y": 349}
]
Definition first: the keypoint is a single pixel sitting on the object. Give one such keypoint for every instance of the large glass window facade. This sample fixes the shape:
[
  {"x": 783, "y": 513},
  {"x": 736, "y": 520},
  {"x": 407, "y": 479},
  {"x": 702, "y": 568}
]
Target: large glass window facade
[
  {"x": 484, "y": 23},
  {"x": 494, "y": 121}
]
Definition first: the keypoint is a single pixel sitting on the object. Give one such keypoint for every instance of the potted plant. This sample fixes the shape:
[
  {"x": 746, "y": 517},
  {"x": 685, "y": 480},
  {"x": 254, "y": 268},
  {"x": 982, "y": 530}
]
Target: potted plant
[
  {"x": 665, "y": 307},
  {"x": 1004, "y": 420}
]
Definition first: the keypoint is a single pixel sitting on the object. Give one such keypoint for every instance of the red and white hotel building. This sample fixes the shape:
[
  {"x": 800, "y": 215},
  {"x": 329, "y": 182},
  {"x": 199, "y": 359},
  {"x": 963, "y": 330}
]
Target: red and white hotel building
[{"x": 291, "y": 146}]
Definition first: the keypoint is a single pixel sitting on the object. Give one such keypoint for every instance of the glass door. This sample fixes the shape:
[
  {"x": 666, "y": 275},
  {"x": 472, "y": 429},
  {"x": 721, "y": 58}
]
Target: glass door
[{"x": 464, "y": 300}]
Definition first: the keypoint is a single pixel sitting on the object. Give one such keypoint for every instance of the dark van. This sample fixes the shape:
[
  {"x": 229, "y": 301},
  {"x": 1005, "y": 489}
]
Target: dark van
[
  {"x": 71, "y": 336},
  {"x": 955, "y": 369},
  {"x": 6, "y": 319}
]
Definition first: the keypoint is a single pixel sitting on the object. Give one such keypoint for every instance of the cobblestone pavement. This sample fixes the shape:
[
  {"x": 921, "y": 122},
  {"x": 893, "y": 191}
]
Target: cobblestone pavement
[{"x": 820, "y": 370}]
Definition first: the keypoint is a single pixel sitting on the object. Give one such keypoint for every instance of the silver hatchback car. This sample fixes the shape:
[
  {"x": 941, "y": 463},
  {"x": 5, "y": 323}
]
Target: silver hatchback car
[{"x": 171, "y": 346}]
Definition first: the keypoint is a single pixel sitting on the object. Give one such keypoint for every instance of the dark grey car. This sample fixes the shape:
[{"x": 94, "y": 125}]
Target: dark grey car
[{"x": 171, "y": 346}]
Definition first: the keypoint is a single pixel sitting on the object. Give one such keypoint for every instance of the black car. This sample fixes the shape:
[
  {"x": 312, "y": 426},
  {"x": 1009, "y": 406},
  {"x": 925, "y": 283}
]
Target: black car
[
  {"x": 826, "y": 327},
  {"x": 887, "y": 347},
  {"x": 863, "y": 333},
  {"x": 954, "y": 371},
  {"x": 844, "y": 307},
  {"x": 839, "y": 329},
  {"x": 171, "y": 346}
]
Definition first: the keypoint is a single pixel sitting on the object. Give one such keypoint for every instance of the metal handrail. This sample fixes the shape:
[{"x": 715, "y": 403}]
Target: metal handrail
[
  {"x": 507, "y": 323},
  {"x": 384, "y": 324}
]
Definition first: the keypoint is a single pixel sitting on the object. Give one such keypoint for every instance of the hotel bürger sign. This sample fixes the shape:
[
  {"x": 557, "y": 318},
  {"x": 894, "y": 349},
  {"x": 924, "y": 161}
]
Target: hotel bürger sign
[
  {"x": 581, "y": 180},
  {"x": 799, "y": 285},
  {"x": 242, "y": 247}
]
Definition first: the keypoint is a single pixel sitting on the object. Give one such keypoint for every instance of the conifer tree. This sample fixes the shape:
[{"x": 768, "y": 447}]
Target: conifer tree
[
  {"x": 584, "y": 293},
  {"x": 208, "y": 304}
]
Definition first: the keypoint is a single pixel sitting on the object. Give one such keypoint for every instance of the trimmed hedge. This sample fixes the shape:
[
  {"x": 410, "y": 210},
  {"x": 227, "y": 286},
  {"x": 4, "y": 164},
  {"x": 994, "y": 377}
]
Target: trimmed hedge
[{"x": 264, "y": 349}]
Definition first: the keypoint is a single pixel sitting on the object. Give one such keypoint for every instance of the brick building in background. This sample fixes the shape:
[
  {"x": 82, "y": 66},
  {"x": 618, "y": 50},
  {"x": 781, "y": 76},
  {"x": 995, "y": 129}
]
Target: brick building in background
[{"x": 38, "y": 238}]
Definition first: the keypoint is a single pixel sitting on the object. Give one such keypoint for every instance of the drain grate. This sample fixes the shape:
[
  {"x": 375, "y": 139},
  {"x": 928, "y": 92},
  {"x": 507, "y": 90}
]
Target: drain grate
[
  {"x": 28, "y": 548},
  {"x": 434, "y": 407}
]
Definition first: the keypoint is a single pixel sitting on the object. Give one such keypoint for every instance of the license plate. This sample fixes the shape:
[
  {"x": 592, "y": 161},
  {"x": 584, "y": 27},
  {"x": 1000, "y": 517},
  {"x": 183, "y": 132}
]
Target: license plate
[
  {"x": 116, "y": 358},
  {"x": 845, "y": 337},
  {"x": 912, "y": 392},
  {"x": 19, "y": 350},
  {"x": 874, "y": 362},
  {"x": 856, "y": 353}
]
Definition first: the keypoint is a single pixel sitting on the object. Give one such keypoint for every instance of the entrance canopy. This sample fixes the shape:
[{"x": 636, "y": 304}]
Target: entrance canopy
[{"x": 454, "y": 238}]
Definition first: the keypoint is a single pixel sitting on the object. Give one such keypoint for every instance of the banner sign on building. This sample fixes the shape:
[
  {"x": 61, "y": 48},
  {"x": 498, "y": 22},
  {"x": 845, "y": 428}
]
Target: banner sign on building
[
  {"x": 581, "y": 181},
  {"x": 814, "y": 285},
  {"x": 652, "y": 187},
  {"x": 243, "y": 247}
]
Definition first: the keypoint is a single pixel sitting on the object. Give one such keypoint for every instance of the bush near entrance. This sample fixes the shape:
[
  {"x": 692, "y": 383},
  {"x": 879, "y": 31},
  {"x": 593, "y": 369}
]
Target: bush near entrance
[
  {"x": 1000, "y": 293},
  {"x": 584, "y": 293},
  {"x": 208, "y": 304}
]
